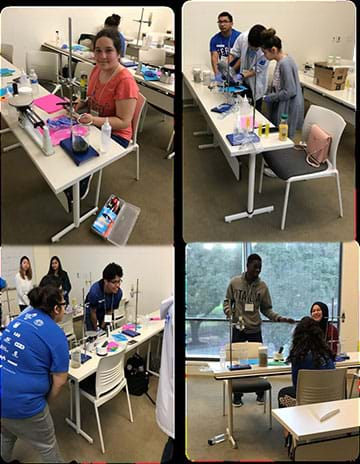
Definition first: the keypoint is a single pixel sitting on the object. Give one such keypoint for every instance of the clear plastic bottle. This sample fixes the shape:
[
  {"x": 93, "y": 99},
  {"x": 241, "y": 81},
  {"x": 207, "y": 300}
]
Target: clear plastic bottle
[
  {"x": 283, "y": 127},
  {"x": 246, "y": 110},
  {"x": 217, "y": 439},
  {"x": 57, "y": 38},
  {"x": 105, "y": 136},
  {"x": 34, "y": 81},
  {"x": 222, "y": 356},
  {"x": 24, "y": 81}
]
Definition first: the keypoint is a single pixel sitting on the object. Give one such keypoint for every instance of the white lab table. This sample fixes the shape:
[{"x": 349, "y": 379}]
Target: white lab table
[
  {"x": 59, "y": 170},
  {"x": 220, "y": 126},
  {"x": 311, "y": 436},
  {"x": 152, "y": 329},
  {"x": 257, "y": 371},
  {"x": 340, "y": 101}
]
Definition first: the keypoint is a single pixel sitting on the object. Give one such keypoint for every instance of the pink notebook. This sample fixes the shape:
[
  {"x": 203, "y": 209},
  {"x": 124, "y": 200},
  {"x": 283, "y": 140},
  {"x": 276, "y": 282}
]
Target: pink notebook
[{"x": 48, "y": 103}]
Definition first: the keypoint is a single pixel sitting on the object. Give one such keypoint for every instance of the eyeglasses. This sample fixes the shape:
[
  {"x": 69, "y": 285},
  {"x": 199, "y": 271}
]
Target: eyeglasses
[
  {"x": 62, "y": 304},
  {"x": 114, "y": 282},
  {"x": 224, "y": 21}
]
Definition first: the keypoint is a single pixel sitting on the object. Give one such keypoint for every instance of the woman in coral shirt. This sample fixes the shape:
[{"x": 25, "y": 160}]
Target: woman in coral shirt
[{"x": 112, "y": 90}]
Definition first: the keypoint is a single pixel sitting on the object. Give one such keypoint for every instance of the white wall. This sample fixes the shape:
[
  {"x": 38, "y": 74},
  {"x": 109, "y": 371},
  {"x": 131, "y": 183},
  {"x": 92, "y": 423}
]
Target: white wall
[
  {"x": 305, "y": 27},
  {"x": 152, "y": 265},
  {"x": 28, "y": 27}
]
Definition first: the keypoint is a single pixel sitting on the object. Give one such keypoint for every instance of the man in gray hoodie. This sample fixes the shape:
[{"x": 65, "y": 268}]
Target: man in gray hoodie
[{"x": 246, "y": 296}]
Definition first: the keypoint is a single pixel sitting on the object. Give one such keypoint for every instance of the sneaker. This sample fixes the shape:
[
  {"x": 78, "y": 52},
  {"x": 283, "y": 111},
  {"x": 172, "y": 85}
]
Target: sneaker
[
  {"x": 237, "y": 402},
  {"x": 260, "y": 399},
  {"x": 268, "y": 172}
]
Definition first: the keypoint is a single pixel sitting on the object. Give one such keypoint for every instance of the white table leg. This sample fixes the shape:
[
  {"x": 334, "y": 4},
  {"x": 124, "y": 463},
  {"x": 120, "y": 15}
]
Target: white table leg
[
  {"x": 77, "y": 219},
  {"x": 148, "y": 361},
  {"x": 204, "y": 146},
  {"x": 77, "y": 425},
  {"x": 230, "y": 428},
  {"x": 250, "y": 212}
]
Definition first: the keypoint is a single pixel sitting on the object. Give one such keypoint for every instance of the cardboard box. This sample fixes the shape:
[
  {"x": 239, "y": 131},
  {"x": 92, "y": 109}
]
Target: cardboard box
[{"x": 330, "y": 77}]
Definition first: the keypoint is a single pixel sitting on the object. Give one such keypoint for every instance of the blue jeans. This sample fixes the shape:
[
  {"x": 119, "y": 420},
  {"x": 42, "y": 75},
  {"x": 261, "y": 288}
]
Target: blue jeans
[{"x": 37, "y": 430}]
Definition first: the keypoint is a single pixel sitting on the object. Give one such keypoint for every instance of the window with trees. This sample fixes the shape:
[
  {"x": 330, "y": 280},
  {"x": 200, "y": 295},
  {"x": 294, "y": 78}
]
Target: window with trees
[{"x": 297, "y": 274}]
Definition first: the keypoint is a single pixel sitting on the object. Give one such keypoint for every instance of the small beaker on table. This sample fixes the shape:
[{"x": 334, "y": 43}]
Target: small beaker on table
[{"x": 80, "y": 138}]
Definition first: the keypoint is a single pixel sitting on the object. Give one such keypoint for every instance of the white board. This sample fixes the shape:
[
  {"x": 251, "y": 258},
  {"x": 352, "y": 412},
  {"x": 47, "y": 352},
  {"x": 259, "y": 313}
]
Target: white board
[{"x": 10, "y": 262}]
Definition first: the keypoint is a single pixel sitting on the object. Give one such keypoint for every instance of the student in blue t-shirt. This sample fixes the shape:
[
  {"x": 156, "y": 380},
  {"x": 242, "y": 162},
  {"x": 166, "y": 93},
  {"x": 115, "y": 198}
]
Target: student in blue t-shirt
[
  {"x": 113, "y": 21},
  {"x": 34, "y": 364},
  {"x": 223, "y": 41},
  {"x": 309, "y": 350},
  {"x": 104, "y": 296}
]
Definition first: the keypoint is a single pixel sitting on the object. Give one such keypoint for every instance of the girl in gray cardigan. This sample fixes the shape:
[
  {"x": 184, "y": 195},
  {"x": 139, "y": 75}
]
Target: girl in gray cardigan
[{"x": 286, "y": 95}]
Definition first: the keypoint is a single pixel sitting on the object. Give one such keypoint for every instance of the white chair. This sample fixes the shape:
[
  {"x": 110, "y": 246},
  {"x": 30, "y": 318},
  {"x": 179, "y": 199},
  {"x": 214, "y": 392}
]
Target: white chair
[
  {"x": 250, "y": 385},
  {"x": 83, "y": 68},
  {"x": 356, "y": 377},
  {"x": 290, "y": 165},
  {"x": 320, "y": 385},
  {"x": 108, "y": 381},
  {"x": 119, "y": 314},
  {"x": 134, "y": 146},
  {"x": 67, "y": 325},
  {"x": 152, "y": 56},
  {"x": 7, "y": 51},
  {"x": 46, "y": 66}
]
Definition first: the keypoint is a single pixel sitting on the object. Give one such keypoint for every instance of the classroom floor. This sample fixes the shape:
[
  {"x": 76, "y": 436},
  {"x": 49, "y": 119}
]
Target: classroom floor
[
  {"x": 124, "y": 441},
  {"x": 251, "y": 426},
  {"x": 211, "y": 192},
  {"x": 31, "y": 210}
]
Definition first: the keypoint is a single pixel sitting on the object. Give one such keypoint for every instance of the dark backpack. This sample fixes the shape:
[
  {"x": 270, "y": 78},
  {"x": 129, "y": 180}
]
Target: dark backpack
[{"x": 136, "y": 375}]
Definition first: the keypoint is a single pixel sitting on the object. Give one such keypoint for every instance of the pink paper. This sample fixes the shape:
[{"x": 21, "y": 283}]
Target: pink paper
[
  {"x": 155, "y": 318},
  {"x": 48, "y": 103}
]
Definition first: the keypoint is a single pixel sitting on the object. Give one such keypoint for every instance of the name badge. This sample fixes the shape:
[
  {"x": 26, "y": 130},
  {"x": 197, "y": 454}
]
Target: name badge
[
  {"x": 249, "y": 307},
  {"x": 223, "y": 58},
  {"x": 94, "y": 113},
  {"x": 107, "y": 318}
]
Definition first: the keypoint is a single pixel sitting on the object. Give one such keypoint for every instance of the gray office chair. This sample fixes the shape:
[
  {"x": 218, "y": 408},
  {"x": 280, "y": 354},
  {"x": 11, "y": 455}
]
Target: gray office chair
[
  {"x": 46, "y": 66},
  {"x": 318, "y": 386},
  {"x": 251, "y": 385},
  {"x": 7, "y": 51},
  {"x": 290, "y": 164},
  {"x": 356, "y": 376}
]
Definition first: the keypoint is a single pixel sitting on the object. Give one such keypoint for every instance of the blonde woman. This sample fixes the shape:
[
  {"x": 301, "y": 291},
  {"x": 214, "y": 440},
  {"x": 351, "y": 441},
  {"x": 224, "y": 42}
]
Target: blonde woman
[{"x": 23, "y": 283}]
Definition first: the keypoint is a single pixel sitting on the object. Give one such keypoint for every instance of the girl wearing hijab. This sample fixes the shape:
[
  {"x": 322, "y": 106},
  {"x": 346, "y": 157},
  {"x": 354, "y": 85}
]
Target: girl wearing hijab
[{"x": 320, "y": 313}]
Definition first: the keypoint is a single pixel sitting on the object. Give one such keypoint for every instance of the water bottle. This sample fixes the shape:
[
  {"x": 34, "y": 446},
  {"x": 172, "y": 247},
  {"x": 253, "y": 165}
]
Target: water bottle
[
  {"x": 76, "y": 357},
  {"x": 283, "y": 127},
  {"x": 57, "y": 38},
  {"x": 105, "y": 136},
  {"x": 216, "y": 439},
  {"x": 34, "y": 81},
  {"x": 83, "y": 87},
  {"x": 222, "y": 357}
]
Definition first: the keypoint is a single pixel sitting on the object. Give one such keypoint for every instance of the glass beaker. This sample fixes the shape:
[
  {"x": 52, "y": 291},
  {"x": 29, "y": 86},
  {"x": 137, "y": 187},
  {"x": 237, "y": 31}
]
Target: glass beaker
[
  {"x": 243, "y": 355},
  {"x": 76, "y": 356},
  {"x": 80, "y": 138}
]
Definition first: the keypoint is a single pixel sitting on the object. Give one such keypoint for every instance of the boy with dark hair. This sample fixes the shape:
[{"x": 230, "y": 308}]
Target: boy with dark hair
[
  {"x": 246, "y": 296},
  {"x": 104, "y": 296}
]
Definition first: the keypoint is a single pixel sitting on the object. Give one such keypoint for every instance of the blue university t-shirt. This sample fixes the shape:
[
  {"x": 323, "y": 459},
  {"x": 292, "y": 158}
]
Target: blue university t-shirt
[
  {"x": 222, "y": 45},
  {"x": 31, "y": 348},
  {"x": 122, "y": 44},
  {"x": 97, "y": 298}
]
